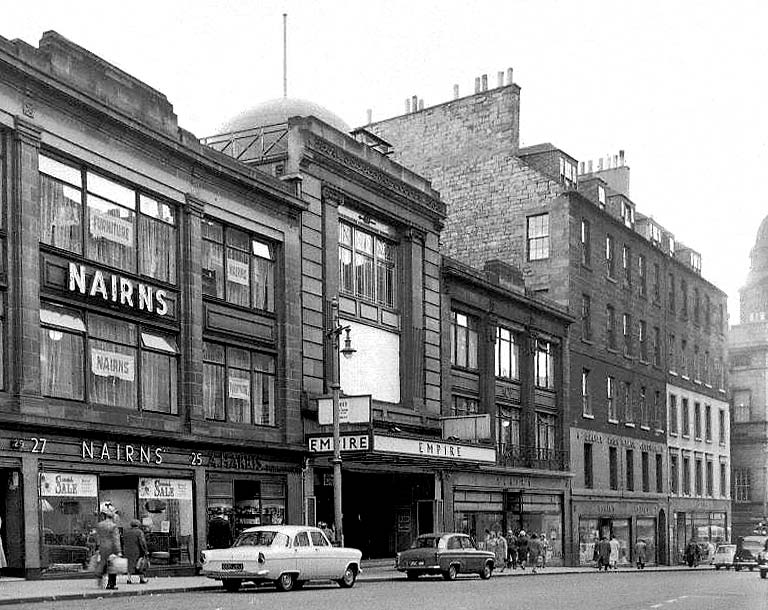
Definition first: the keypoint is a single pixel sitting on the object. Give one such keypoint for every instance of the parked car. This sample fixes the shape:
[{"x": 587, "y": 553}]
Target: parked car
[
  {"x": 444, "y": 553},
  {"x": 747, "y": 550},
  {"x": 285, "y": 555},
  {"x": 724, "y": 555}
]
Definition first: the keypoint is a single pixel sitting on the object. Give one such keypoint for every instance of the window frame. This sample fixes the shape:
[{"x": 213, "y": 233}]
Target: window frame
[
  {"x": 466, "y": 335},
  {"x": 537, "y": 237}
]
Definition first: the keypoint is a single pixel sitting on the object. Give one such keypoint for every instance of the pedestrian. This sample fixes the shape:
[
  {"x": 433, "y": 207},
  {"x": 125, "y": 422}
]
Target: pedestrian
[
  {"x": 545, "y": 549},
  {"x": 615, "y": 548},
  {"x": 501, "y": 551},
  {"x": 641, "y": 550},
  {"x": 522, "y": 549},
  {"x": 108, "y": 540},
  {"x": 329, "y": 533},
  {"x": 491, "y": 543},
  {"x": 692, "y": 553},
  {"x": 487, "y": 539},
  {"x": 136, "y": 552},
  {"x": 535, "y": 552},
  {"x": 511, "y": 550},
  {"x": 3, "y": 561},
  {"x": 603, "y": 554}
]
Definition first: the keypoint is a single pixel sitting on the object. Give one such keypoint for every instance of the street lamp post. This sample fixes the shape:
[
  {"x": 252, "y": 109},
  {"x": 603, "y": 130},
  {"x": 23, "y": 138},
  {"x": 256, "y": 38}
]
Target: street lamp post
[{"x": 333, "y": 334}]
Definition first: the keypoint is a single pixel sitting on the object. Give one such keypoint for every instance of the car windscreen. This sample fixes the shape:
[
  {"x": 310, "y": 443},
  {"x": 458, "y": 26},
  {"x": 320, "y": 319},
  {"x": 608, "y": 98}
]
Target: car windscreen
[
  {"x": 425, "y": 542},
  {"x": 752, "y": 546},
  {"x": 263, "y": 538}
]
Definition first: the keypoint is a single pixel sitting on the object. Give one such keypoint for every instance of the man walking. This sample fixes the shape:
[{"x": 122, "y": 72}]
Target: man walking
[
  {"x": 641, "y": 550},
  {"x": 603, "y": 554}
]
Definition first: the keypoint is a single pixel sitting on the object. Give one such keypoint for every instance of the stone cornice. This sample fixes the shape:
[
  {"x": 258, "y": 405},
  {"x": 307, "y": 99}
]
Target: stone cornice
[
  {"x": 430, "y": 205},
  {"x": 195, "y": 205}
]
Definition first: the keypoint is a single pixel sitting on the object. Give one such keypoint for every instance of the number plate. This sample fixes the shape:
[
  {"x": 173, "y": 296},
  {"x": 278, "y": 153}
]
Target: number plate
[
  {"x": 231, "y": 566},
  {"x": 416, "y": 563}
]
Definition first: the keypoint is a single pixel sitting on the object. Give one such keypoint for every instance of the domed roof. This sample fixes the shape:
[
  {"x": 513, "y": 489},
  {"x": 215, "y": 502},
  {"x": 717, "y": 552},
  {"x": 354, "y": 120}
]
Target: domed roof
[{"x": 279, "y": 110}]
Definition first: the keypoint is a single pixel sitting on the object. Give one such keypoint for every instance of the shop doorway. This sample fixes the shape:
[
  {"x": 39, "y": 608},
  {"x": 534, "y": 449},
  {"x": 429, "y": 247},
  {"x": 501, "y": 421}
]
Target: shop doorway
[{"x": 11, "y": 530}]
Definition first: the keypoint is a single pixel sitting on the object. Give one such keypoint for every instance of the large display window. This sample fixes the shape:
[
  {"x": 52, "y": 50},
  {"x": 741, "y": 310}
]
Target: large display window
[{"x": 69, "y": 505}]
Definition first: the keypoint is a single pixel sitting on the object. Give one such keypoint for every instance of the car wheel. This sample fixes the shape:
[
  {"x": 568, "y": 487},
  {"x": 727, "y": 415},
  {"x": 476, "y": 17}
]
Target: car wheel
[
  {"x": 411, "y": 575},
  {"x": 486, "y": 572},
  {"x": 751, "y": 568},
  {"x": 737, "y": 568},
  {"x": 450, "y": 573},
  {"x": 347, "y": 581},
  {"x": 763, "y": 573},
  {"x": 232, "y": 584},
  {"x": 286, "y": 582},
  {"x": 717, "y": 567},
  {"x": 727, "y": 567}
]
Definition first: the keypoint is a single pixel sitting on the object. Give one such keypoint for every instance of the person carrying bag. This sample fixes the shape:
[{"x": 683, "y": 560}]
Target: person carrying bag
[{"x": 136, "y": 552}]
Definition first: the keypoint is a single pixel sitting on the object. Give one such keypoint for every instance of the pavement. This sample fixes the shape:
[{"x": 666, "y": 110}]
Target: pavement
[{"x": 19, "y": 590}]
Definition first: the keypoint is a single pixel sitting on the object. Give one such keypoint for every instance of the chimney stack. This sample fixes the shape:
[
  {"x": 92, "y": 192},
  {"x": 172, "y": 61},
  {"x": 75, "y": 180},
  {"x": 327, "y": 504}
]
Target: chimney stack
[
  {"x": 485, "y": 82},
  {"x": 501, "y": 79},
  {"x": 509, "y": 76},
  {"x": 621, "y": 158},
  {"x": 455, "y": 92},
  {"x": 589, "y": 165},
  {"x": 581, "y": 167},
  {"x": 421, "y": 104},
  {"x": 414, "y": 103},
  {"x": 600, "y": 164},
  {"x": 477, "y": 85}
]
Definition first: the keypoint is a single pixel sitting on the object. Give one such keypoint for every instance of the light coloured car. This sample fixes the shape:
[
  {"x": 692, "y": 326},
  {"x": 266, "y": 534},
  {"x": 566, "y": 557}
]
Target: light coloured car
[
  {"x": 724, "y": 555},
  {"x": 285, "y": 555}
]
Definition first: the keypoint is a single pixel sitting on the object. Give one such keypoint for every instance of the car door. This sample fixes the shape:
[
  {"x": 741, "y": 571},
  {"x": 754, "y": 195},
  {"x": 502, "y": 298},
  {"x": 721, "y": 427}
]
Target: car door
[
  {"x": 454, "y": 553},
  {"x": 305, "y": 556},
  {"x": 327, "y": 562},
  {"x": 474, "y": 560}
]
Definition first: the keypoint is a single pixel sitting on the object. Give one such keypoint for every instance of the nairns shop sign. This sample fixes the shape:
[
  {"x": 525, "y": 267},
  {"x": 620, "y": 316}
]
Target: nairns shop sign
[{"x": 117, "y": 289}]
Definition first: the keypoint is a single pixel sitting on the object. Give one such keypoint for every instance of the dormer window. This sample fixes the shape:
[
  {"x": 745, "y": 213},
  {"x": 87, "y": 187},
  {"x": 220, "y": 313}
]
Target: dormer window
[
  {"x": 655, "y": 234},
  {"x": 627, "y": 214},
  {"x": 601, "y": 195},
  {"x": 696, "y": 262},
  {"x": 671, "y": 245},
  {"x": 567, "y": 172}
]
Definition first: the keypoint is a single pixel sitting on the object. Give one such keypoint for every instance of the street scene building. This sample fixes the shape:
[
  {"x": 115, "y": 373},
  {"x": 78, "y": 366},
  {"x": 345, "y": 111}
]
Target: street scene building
[
  {"x": 748, "y": 358},
  {"x": 150, "y": 357},
  {"x": 641, "y": 306}
]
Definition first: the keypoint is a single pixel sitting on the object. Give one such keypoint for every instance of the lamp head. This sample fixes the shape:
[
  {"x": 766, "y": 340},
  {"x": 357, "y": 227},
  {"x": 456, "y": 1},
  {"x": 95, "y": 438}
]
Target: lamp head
[{"x": 347, "y": 351}]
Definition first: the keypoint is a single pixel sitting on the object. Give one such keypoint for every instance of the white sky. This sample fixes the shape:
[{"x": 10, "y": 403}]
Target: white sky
[{"x": 679, "y": 85}]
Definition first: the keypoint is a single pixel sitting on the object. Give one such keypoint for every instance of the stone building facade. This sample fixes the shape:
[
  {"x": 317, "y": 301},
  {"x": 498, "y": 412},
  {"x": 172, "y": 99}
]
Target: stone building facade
[
  {"x": 748, "y": 360},
  {"x": 575, "y": 234},
  {"x": 149, "y": 331}
]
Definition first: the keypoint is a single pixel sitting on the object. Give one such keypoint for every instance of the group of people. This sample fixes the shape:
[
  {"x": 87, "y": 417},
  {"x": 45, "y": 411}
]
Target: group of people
[
  {"x": 607, "y": 552},
  {"x": 517, "y": 549},
  {"x": 108, "y": 538}
]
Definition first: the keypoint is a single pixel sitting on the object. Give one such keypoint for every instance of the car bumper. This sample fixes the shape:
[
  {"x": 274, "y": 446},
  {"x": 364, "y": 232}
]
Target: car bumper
[{"x": 222, "y": 574}]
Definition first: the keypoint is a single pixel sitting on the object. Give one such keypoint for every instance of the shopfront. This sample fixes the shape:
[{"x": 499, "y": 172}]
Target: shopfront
[
  {"x": 627, "y": 522},
  {"x": 515, "y": 503},
  {"x": 705, "y": 521}
]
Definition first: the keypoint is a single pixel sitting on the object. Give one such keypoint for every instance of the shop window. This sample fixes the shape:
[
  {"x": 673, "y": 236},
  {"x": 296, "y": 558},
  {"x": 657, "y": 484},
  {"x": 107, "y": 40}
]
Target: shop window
[
  {"x": 238, "y": 385},
  {"x": 367, "y": 265},
  {"x": 108, "y": 222},
  {"x": 115, "y": 362},
  {"x": 507, "y": 353},
  {"x": 237, "y": 267},
  {"x": 463, "y": 340},
  {"x": 545, "y": 364}
]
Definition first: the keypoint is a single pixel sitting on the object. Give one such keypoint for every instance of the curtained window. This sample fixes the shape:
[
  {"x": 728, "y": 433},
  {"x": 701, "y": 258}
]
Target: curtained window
[
  {"x": 157, "y": 239},
  {"x": 238, "y": 385},
  {"x": 62, "y": 333}
]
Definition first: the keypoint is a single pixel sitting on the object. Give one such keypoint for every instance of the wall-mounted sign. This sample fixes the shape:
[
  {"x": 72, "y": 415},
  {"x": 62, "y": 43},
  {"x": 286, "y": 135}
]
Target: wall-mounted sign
[
  {"x": 117, "y": 289},
  {"x": 433, "y": 449},
  {"x": 121, "y": 452},
  {"x": 352, "y": 410},
  {"x": 165, "y": 489},
  {"x": 349, "y": 442}
]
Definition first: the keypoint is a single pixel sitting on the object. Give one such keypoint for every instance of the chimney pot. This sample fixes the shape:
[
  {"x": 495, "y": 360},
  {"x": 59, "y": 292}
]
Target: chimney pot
[
  {"x": 477, "y": 85},
  {"x": 455, "y": 92},
  {"x": 485, "y": 82},
  {"x": 615, "y": 160},
  {"x": 581, "y": 167},
  {"x": 509, "y": 76},
  {"x": 421, "y": 104},
  {"x": 414, "y": 103},
  {"x": 501, "y": 78},
  {"x": 621, "y": 158},
  {"x": 370, "y": 116},
  {"x": 589, "y": 171},
  {"x": 600, "y": 164}
]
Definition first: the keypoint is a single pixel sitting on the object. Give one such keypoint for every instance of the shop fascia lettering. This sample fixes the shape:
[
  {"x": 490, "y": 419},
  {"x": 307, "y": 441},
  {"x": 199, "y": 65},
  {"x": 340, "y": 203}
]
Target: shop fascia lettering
[
  {"x": 118, "y": 452},
  {"x": 117, "y": 289}
]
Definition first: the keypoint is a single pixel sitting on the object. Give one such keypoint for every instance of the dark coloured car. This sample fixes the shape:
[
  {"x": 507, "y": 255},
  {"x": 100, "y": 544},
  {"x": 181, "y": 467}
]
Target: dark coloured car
[
  {"x": 448, "y": 554},
  {"x": 747, "y": 550},
  {"x": 762, "y": 562}
]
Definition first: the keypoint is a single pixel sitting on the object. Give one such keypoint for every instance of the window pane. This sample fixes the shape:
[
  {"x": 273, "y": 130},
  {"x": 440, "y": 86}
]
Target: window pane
[
  {"x": 238, "y": 277},
  {"x": 110, "y": 237},
  {"x": 264, "y": 363},
  {"x": 263, "y": 280},
  {"x": 212, "y": 352},
  {"x": 213, "y": 391},
  {"x": 157, "y": 209},
  {"x": 345, "y": 270},
  {"x": 165, "y": 343},
  {"x": 61, "y": 364},
  {"x": 158, "y": 383},
  {"x": 213, "y": 269},
  {"x": 157, "y": 249},
  {"x": 238, "y": 358},
  {"x": 363, "y": 242},
  {"x": 60, "y": 215},
  {"x": 112, "y": 191},
  {"x": 261, "y": 249},
  {"x": 65, "y": 173},
  {"x": 212, "y": 231},
  {"x": 364, "y": 276},
  {"x": 345, "y": 234},
  {"x": 264, "y": 399},
  {"x": 238, "y": 239},
  {"x": 239, "y": 396},
  {"x": 57, "y": 315},
  {"x": 112, "y": 374},
  {"x": 111, "y": 330}
]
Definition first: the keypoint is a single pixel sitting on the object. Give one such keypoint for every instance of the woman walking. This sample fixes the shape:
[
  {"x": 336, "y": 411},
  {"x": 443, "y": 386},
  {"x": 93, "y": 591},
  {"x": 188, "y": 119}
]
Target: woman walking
[
  {"x": 108, "y": 538},
  {"x": 136, "y": 552}
]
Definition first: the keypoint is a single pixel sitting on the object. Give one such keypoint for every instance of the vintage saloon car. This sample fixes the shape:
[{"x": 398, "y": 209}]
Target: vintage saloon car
[
  {"x": 448, "y": 554},
  {"x": 286, "y": 555}
]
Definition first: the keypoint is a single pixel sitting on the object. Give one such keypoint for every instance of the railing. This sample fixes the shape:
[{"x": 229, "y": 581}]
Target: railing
[
  {"x": 255, "y": 144},
  {"x": 526, "y": 456}
]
